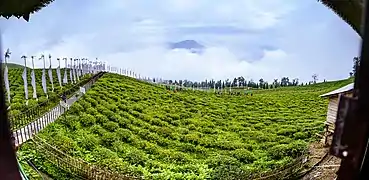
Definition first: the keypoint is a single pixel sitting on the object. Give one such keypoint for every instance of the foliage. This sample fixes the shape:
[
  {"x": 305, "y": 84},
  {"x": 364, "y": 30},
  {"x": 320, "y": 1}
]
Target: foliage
[{"x": 134, "y": 127}]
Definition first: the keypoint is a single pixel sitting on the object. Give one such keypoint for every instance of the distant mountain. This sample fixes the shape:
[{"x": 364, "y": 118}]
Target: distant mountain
[
  {"x": 190, "y": 45},
  {"x": 13, "y": 65}
]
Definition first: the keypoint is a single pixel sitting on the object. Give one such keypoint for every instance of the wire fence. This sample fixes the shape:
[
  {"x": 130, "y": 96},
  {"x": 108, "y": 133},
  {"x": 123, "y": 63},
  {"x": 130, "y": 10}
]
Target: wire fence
[
  {"x": 83, "y": 170},
  {"x": 28, "y": 123},
  {"x": 288, "y": 171},
  {"x": 74, "y": 166}
]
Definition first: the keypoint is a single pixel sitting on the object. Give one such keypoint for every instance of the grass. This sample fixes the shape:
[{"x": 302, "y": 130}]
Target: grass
[{"x": 137, "y": 128}]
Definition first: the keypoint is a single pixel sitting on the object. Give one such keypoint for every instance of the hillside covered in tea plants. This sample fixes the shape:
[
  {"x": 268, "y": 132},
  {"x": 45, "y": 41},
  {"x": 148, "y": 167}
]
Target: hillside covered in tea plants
[{"x": 138, "y": 128}]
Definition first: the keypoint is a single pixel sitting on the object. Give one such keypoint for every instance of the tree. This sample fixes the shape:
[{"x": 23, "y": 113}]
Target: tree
[
  {"x": 295, "y": 82},
  {"x": 251, "y": 84},
  {"x": 356, "y": 65},
  {"x": 261, "y": 83},
  {"x": 315, "y": 78},
  {"x": 185, "y": 83},
  {"x": 241, "y": 81},
  {"x": 285, "y": 81},
  {"x": 276, "y": 83},
  {"x": 234, "y": 82}
]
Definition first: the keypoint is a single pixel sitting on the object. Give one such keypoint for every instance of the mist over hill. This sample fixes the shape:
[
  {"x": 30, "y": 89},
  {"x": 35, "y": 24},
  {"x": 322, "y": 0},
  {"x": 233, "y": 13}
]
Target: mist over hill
[
  {"x": 12, "y": 65},
  {"x": 190, "y": 45}
]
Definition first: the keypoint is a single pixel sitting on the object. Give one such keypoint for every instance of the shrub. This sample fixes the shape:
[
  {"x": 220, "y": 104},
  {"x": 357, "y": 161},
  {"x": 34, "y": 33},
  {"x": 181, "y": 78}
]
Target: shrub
[
  {"x": 92, "y": 111},
  {"x": 124, "y": 135},
  {"x": 300, "y": 135},
  {"x": 97, "y": 129},
  {"x": 136, "y": 157},
  {"x": 111, "y": 126},
  {"x": 71, "y": 121},
  {"x": 244, "y": 156},
  {"x": 87, "y": 140},
  {"x": 76, "y": 108},
  {"x": 101, "y": 119},
  {"x": 108, "y": 138},
  {"x": 87, "y": 120}
]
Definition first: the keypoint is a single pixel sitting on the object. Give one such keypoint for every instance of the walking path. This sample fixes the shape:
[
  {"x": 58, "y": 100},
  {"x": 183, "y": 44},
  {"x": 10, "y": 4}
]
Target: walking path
[{"x": 26, "y": 133}]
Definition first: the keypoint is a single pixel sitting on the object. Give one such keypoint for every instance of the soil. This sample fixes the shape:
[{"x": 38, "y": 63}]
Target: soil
[{"x": 327, "y": 165}]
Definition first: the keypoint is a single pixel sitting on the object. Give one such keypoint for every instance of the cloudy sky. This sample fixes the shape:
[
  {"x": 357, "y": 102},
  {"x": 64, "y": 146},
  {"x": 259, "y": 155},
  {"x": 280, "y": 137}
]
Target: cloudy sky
[{"x": 251, "y": 38}]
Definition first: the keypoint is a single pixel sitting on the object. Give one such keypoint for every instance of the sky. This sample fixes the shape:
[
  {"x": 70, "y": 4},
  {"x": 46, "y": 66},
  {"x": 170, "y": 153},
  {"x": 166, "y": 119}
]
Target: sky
[{"x": 251, "y": 38}]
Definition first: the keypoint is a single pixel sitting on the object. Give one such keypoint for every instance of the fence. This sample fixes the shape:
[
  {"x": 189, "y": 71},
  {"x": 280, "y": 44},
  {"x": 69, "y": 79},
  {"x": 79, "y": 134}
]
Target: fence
[
  {"x": 74, "y": 166},
  {"x": 286, "y": 172},
  {"x": 26, "y": 124},
  {"x": 84, "y": 170},
  {"x": 17, "y": 121}
]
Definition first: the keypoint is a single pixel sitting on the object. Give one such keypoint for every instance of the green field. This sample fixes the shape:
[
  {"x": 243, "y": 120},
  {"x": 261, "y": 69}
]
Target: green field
[{"x": 141, "y": 129}]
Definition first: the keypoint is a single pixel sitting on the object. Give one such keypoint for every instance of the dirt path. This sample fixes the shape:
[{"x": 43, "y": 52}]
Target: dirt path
[{"x": 326, "y": 165}]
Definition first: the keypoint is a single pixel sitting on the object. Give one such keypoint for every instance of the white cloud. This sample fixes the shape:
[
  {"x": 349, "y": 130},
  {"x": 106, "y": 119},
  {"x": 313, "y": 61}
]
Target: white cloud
[
  {"x": 132, "y": 34},
  {"x": 215, "y": 62}
]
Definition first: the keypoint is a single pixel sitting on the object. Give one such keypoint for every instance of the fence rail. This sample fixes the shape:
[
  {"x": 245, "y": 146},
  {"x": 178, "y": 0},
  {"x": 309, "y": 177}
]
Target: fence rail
[
  {"x": 81, "y": 169},
  {"x": 18, "y": 121},
  {"x": 287, "y": 171},
  {"x": 76, "y": 167},
  {"x": 26, "y": 124}
]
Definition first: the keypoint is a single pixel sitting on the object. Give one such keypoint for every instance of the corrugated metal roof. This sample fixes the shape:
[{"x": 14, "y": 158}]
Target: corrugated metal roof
[{"x": 346, "y": 88}]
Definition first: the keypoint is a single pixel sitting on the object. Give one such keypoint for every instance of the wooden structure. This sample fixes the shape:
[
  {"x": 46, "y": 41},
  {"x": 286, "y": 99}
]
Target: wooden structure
[
  {"x": 333, "y": 105},
  {"x": 21, "y": 8},
  {"x": 348, "y": 10}
]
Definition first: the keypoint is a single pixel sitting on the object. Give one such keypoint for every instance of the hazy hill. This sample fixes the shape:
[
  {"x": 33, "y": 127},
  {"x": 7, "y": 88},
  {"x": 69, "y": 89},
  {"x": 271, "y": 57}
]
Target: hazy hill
[
  {"x": 190, "y": 45},
  {"x": 13, "y": 65}
]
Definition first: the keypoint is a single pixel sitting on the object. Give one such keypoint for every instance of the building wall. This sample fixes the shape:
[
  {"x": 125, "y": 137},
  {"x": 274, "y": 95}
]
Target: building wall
[{"x": 332, "y": 111}]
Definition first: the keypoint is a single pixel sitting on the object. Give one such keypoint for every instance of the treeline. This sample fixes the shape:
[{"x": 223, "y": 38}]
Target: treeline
[{"x": 240, "y": 82}]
